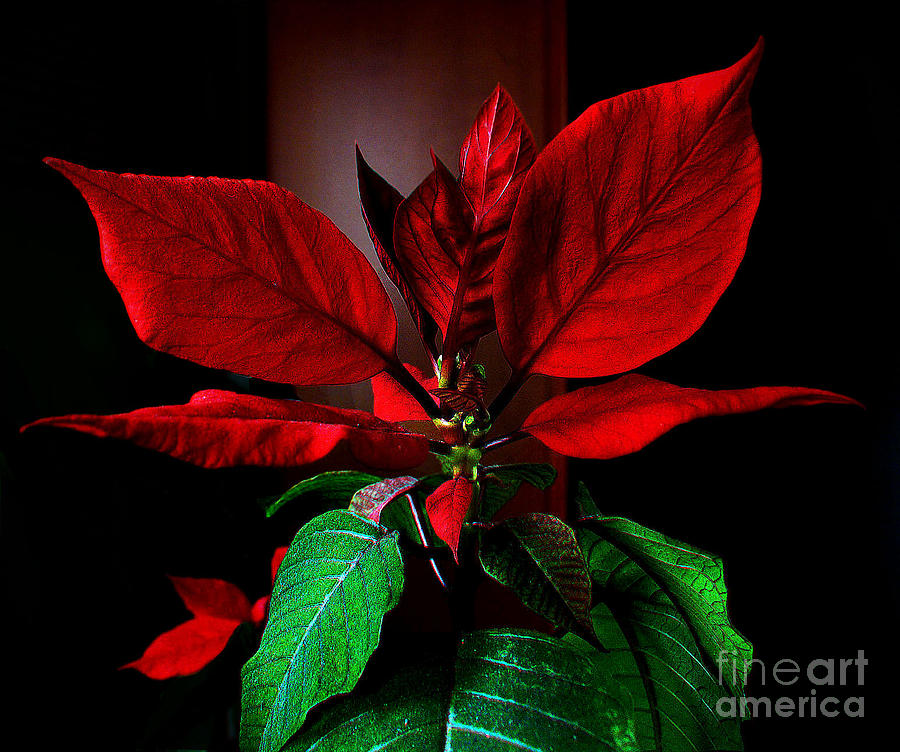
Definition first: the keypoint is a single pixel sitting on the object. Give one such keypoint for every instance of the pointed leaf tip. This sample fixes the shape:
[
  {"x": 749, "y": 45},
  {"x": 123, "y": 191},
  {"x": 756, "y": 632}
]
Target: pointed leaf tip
[
  {"x": 639, "y": 213},
  {"x": 625, "y": 415},
  {"x": 222, "y": 429},
  {"x": 447, "y": 508}
]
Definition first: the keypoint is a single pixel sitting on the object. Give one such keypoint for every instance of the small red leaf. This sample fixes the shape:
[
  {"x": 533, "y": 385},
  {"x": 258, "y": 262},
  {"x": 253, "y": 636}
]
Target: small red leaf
[
  {"x": 393, "y": 403},
  {"x": 493, "y": 161},
  {"x": 447, "y": 508},
  {"x": 213, "y": 598},
  {"x": 629, "y": 226},
  {"x": 222, "y": 429},
  {"x": 369, "y": 502},
  {"x": 624, "y": 415},
  {"x": 379, "y": 200},
  {"x": 458, "y": 401},
  {"x": 431, "y": 231},
  {"x": 447, "y": 236},
  {"x": 240, "y": 275},
  {"x": 185, "y": 649}
]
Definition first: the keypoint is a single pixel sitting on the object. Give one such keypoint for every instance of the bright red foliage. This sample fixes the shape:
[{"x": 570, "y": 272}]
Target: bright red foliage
[
  {"x": 604, "y": 251},
  {"x": 447, "y": 508},
  {"x": 219, "y": 608},
  {"x": 222, "y": 429},
  {"x": 629, "y": 227},
  {"x": 241, "y": 275},
  {"x": 393, "y": 403},
  {"x": 448, "y": 233},
  {"x": 624, "y": 415}
]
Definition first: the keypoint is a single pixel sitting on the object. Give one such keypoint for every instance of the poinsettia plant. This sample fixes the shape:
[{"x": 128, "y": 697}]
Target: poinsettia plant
[{"x": 589, "y": 258}]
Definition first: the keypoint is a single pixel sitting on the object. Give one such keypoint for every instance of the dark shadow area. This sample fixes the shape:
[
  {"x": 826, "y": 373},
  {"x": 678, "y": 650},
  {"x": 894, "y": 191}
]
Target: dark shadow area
[{"x": 800, "y": 503}]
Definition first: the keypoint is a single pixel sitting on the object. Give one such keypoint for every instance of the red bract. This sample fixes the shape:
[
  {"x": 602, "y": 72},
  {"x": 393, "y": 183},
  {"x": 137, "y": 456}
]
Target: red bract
[
  {"x": 448, "y": 233},
  {"x": 221, "y": 429},
  {"x": 241, "y": 275},
  {"x": 447, "y": 508},
  {"x": 623, "y": 416},
  {"x": 607, "y": 249},
  {"x": 219, "y": 608},
  {"x": 630, "y": 226},
  {"x": 393, "y": 403}
]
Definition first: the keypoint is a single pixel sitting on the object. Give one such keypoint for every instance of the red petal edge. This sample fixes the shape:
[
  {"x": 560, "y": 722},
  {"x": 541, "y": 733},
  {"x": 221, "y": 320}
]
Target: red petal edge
[
  {"x": 240, "y": 275},
  {"x": 623, "y": 416},
  {"x": 222, "y": 429},
  {"x": 629, "y": 226}
]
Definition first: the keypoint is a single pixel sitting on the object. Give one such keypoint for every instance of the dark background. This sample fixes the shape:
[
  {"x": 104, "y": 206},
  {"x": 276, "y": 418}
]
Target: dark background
[{"x": 800, "y": 503}]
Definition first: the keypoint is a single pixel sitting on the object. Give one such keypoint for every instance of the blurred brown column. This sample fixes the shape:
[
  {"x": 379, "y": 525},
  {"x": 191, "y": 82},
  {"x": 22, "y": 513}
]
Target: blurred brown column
[{"x": 400, "y": 78}]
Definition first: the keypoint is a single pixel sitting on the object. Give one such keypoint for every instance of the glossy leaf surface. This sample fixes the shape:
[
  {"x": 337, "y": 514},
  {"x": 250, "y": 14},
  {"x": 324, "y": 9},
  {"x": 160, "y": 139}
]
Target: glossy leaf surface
[
  {"x": 629, "y": 226},
  {"x": 650, "y": 628},
  {"x": 240, "y": 275},
  {"x": 223, "y": 429},
  {"x": 624, "y": 415},
  {"x": 447, "y": 508},
  {"x": 506, "y": 691},
  {"x": 538, "y": 557},
  {"x": 340, "y": 576}
]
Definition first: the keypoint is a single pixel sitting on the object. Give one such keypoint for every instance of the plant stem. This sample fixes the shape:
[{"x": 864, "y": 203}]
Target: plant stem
[
  {"x": 499, "y": 442},
  {"x": 420, "y": 529}
]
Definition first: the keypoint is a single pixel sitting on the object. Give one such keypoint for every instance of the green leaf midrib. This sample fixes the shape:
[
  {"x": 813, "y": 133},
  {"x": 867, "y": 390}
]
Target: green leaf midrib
[{"x": 640, "y": 561}]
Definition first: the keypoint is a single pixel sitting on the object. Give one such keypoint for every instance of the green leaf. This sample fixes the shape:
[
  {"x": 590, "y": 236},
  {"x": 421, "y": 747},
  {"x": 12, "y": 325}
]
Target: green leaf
[
  {"x": 341, "y": 574},
  {"x": 502, "y": 483},
  {"x": 690, "y": 578},
  {"x": 538, "y": 557},
  {"x": 584, "y": 502},
  {"x": 398, "y": 516},
  {"x": 331, "y": 489},
  {"x": 504, "y": 691},
  {"x": 660, "y": 600}
]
